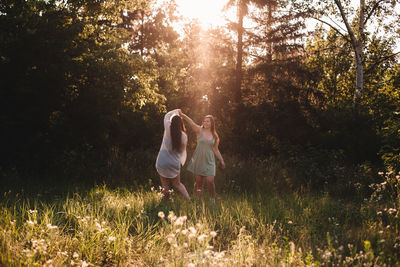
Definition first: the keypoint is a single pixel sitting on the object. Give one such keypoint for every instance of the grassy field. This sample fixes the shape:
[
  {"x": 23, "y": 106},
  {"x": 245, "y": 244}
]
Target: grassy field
[{"x": 104, "y": 226}]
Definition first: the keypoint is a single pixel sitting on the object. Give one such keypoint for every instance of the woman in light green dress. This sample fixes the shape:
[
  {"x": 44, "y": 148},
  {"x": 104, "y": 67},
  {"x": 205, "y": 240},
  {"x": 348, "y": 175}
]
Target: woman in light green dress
[{"x": 202, "y": 164}]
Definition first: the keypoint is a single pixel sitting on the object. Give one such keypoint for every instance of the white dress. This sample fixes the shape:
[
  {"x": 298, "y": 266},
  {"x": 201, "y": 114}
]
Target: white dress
[{"x": 169, "y": 162}]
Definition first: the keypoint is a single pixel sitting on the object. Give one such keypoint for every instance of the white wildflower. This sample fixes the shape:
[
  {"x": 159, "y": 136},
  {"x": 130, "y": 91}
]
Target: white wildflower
[
  {"x": 392, "y": 210},
  {"x": 51, "y": 227},
  {"x": 202, "y": 237},
  {"x": 213, "y": 234},
  {"x": 161, "y": 214},
  {"x": 191, "y": 235},
  {"x": 180, "y": 221},
  {"x": 75, "y": 255},
  {"x": 171, "y": 216}
]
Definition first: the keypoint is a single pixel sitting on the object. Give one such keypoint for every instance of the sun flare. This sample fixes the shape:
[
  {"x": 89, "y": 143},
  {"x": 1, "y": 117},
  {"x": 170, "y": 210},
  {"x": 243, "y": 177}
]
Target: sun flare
[{"x": 208, "y": 12}]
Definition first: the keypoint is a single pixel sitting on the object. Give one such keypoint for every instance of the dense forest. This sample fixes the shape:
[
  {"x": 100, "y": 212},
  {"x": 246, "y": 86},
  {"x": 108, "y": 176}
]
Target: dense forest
[{"x": 85, "y": 85}]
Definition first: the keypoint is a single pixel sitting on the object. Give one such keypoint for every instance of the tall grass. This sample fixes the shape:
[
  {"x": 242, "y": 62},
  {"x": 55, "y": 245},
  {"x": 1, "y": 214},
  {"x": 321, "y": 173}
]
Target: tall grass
[
  {"x": 137, "y": 228},
  {"x": 268, "y": 224}
]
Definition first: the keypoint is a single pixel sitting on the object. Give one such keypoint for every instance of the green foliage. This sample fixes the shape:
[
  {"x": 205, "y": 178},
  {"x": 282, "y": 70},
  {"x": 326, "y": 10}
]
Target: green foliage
[{"x": 69, "y": 85}]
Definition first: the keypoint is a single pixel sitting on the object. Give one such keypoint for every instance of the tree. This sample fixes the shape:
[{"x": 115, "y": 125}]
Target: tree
[
  {"x": 67, "y": 80},
  {"x": 355, "y": 28}
]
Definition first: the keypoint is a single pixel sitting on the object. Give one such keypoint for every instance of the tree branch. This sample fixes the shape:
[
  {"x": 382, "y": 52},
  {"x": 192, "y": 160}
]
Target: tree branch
[
  {"x": 372, "y": 10},
  {"x": 380, "y": 61},
  {"x": 334, "y": 28},
  {"x": 346, "y": 22}
]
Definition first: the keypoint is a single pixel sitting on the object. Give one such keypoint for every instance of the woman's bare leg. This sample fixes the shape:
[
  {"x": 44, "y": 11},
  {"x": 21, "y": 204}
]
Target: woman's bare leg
[
  {"x": 199, "y": 187},
  {"x": 165, "y": 186},
  {"x": 176, "y": 182},
  {"x": 211, "y": 186}
]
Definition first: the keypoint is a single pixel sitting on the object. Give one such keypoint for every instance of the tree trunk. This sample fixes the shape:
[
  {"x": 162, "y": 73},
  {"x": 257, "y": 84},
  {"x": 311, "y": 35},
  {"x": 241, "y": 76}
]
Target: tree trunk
[
  {"x": 359, "y": 75},
  {"x": 357, "y": 43},
  {"x": 269, "y": 29},
  {"x": 358, "y": 50},
  {"x": 239, "y": 58}
]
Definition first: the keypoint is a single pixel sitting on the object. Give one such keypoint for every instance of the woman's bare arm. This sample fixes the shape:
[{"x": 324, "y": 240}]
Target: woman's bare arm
[
  {"x": 196, "y": 128},
  {"x": 218, "y": 154}
]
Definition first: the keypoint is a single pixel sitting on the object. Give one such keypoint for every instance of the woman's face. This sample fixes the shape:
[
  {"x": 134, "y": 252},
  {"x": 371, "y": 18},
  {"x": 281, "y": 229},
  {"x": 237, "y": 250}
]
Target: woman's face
[{"x": 207, "y": 123}]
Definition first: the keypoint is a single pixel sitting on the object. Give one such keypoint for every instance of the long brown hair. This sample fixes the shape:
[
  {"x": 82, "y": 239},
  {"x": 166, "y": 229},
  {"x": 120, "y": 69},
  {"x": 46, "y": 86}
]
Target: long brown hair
[
  {"x": 213, "y": 131},
  {"x": 176, "y": 129}
]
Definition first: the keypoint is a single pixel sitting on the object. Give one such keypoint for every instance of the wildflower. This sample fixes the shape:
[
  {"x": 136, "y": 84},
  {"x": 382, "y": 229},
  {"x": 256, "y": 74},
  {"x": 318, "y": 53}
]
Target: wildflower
[
  {"x": 191, "y": 235},
  {"x": 198, "y": 225},
  {"x": 327, "y": 254},
  {"x": 180, "y": 221},
  {"x": 192, "y": 230},
  {"x": 289, "y": 222},
  {"x": 185, "y": 245},
  {"x": 184, "y": 232},
  {"x": 206, "y": 252},
  {"x": 72, "y": 263},
  {"x": 391, "y": 210},
  {"x": 191, "y": 265},
  {"x": 171, "y": 216},
  {"x": 380, "y": 173},
  {"x": 85, "y": 264},
  {"x": 51, "y": 227},
  {"x": 111, "y": 239},
  {"x": 201, "y": 237},
  {"x": 213, "y": 234},
  {"x": 382, "y": 241},
  {"x": 32, "y": 211},
  {"x": 75, "y": 255},
  {"x": 161, "y": 214}
]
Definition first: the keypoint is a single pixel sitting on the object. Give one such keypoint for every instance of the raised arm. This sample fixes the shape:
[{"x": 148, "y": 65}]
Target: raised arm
[
  {"x": 196, "y": 128},
  {"x": 218, "y": 153}
]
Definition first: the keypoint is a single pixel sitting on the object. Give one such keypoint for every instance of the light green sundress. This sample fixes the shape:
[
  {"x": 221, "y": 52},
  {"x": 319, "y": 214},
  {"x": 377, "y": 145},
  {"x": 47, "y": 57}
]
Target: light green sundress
[{"x": 203, "y": 159}]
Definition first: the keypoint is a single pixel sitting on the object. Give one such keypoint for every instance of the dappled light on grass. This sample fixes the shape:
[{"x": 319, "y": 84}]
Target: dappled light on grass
[{"x": 125, "y": 228}]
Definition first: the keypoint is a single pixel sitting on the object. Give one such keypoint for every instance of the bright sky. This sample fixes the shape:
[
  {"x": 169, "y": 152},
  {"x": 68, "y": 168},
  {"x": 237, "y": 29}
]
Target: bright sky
[{"x": 208, "y": 12}]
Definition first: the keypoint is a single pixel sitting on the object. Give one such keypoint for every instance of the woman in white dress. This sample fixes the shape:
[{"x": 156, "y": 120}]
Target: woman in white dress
[{"x": 172, "y": 154}]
